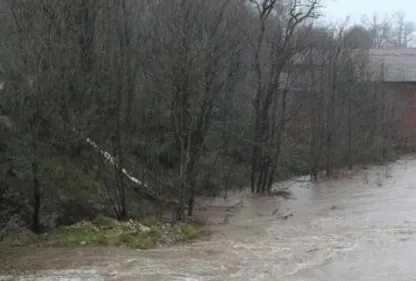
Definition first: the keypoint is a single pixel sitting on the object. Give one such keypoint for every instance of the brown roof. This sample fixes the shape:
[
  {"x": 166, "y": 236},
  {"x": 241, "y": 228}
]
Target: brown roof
[{"x": 399, "y": 65}]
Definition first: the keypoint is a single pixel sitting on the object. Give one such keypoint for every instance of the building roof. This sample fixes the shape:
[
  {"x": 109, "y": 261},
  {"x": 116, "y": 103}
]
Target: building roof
[{"x": 398, "y": 65}]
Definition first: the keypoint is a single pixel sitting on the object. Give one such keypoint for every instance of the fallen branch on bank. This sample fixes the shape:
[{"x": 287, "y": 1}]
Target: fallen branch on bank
[{"x": 138, "y": 186}]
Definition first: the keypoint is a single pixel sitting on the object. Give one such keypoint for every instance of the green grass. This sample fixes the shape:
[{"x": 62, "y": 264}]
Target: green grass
[
  {"x": 104, "y": 231},
  {"x": 189, "y": 231}
]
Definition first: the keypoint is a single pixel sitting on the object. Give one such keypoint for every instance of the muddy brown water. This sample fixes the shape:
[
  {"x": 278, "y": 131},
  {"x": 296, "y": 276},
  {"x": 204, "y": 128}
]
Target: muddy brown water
[{"x": 358, "y": 227}]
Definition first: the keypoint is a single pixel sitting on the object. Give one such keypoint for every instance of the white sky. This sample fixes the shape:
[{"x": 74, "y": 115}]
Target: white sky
[{"x": 339, "y": 9}]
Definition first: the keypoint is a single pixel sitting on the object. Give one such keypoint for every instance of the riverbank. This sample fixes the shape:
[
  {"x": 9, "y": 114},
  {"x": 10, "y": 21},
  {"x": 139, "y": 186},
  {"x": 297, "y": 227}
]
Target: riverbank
[{"x": 104, "y": 231}]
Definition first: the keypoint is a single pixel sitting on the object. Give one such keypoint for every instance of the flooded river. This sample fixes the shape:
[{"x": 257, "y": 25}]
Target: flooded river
[{"x": 358, "y": 227}]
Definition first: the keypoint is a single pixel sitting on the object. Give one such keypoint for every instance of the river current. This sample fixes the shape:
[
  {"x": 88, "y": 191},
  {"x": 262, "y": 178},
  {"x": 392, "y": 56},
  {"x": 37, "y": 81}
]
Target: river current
[{"x": 360, "y": 226}]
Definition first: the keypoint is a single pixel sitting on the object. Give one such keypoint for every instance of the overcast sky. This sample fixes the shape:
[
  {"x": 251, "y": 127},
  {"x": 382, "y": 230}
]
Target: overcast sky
[{"x": 340, "y": 9}]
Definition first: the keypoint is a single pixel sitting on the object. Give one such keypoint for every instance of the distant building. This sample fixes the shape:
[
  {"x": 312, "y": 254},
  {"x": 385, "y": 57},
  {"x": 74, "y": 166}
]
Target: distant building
[{"x": 395, "y": 71}]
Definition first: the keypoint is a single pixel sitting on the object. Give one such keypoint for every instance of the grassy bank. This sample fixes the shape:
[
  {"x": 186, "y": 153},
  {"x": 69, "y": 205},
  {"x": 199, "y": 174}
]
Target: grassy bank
[{"x": 104, "y": 231}]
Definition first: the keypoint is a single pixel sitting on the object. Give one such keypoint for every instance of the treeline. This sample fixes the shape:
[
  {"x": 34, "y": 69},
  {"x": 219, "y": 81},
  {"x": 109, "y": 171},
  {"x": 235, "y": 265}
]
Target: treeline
[{"x": 190, "y": 96}]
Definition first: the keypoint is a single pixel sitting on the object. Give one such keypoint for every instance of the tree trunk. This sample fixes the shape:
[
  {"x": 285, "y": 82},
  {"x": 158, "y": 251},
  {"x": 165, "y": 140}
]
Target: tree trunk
[
  {"x": 349, "y": 135},
  {"x": 191, "y": 201},
  {"x": 119, "y": 188},
  {"x": 191, "y": 180},
  {"x": 37, "y": 196},
  {"x": 256, "y": 158}
]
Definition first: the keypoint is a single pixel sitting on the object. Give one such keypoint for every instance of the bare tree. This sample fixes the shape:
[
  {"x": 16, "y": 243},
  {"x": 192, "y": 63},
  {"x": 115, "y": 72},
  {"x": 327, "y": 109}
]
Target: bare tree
[
  {"x": 176, "y": 94},
  {"x": 358, "y": 37},
  {"x": 403, "y": 31},
  {"x": 390, "y": 31},
  {"x": 194, "y": 48},
  {"x": 269, "y": 128},
  {"x": 380, "y": 30},
  {"x": 34, "y": 68}
]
